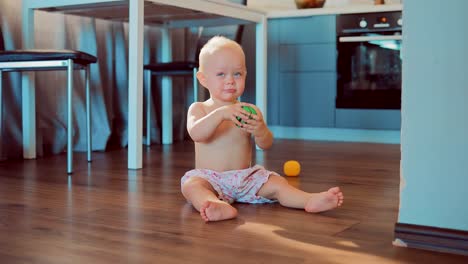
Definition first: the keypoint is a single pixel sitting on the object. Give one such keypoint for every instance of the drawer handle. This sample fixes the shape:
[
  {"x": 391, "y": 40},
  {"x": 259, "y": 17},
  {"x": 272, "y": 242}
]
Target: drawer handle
[{"x": 368, "y": 38}]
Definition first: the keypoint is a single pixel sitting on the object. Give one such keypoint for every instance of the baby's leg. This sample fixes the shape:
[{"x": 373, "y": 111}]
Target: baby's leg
[
  {"x": 203, "y": 197},
  {"x": 278, "y": 188}
]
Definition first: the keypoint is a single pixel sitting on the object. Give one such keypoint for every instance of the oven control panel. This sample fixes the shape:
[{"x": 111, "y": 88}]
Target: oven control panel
[{"x": 369, "y": 22}]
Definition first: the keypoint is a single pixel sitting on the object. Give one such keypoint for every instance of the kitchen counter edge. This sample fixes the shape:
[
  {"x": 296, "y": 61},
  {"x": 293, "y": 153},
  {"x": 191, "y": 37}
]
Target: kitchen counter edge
[{"x": 334, "y": 11}]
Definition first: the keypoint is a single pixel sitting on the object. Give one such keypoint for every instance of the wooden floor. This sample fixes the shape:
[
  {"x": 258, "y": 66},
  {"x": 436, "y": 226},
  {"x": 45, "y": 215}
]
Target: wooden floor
[{"x": 105, "y": 213}]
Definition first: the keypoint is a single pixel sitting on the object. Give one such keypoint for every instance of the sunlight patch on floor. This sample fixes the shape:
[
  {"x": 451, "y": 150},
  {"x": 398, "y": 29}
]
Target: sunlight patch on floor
[{"x": 345, "y": 248}]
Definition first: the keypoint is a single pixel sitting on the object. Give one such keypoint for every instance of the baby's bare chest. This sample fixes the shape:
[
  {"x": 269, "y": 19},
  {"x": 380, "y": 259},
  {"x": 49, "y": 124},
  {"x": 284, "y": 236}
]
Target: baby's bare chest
[
  {"x": 229, "y": 149},
  {"x": 229, "y": 132}
]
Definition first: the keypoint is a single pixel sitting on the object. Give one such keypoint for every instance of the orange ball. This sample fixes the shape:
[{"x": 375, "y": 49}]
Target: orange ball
[{"x": 292, "y": 168}]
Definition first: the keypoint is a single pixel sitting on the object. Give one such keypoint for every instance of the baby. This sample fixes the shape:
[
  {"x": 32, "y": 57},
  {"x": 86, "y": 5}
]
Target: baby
[{"x": 223, "y": 145}]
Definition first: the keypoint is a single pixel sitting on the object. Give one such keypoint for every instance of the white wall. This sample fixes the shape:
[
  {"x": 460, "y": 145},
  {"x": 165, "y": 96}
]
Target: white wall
[{"x": 434, "y": 138}]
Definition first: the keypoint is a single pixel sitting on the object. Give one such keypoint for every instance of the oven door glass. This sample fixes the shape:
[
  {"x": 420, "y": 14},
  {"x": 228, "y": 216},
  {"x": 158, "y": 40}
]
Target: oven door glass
[{"x": 369, "y": 72}]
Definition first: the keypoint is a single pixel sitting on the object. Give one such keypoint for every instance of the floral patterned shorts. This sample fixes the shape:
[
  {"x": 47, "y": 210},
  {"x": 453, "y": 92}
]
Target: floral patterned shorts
[{"x": 235, "y": 185}]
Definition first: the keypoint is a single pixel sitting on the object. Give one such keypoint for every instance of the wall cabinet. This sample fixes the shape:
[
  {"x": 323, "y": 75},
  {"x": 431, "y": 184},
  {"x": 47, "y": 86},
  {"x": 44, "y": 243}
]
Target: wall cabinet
[
  {"x": 305, "y": 99},
  {"x": 302, "y": 71},
  {"x": 302, "y": 76}
]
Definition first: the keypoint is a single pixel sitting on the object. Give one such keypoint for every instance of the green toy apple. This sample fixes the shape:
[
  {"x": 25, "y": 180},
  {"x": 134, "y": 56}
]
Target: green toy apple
[{"x": 248, "y": 109}]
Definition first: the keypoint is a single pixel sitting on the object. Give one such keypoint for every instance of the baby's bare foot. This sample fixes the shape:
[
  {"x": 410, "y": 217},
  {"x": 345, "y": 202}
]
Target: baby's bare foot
[
  {"x": 217, "y": 211},
  {"x": 325, "y": 201}
]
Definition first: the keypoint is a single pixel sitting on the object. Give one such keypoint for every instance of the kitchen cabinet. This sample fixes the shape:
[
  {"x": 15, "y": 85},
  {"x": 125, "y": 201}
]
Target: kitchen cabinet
[
  {"x": 381, "y": 119},
  {"x": 302, "y": 71}
]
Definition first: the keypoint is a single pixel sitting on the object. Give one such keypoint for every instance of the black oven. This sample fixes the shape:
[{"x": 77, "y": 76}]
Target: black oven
[{"x": 369, "y": 60}]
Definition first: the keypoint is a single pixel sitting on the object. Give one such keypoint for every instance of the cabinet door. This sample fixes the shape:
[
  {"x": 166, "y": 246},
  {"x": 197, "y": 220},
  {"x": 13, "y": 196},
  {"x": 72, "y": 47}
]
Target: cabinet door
[
  {"x": 302, "y": 71},
  {"x": 308, "y": 57},
  {"x": 368, "y": 119},
  {"x": 303, "y": 30},
  {"x": 273, "y": 72},
  {"x": 307, "y": 99}
]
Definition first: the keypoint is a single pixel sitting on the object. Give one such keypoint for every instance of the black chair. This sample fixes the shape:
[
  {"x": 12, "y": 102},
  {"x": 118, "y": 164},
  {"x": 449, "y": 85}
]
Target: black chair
[
  {"x": 175, "y": 68},
  {"x": 42, "y": 60}
]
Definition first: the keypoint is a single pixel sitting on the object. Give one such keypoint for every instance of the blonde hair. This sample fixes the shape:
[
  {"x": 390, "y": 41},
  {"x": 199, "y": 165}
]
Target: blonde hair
[{"x": 214, "y": 44}]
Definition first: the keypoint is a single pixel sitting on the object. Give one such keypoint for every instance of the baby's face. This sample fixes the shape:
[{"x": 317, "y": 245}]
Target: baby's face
[{"x": 225, "y": 73}]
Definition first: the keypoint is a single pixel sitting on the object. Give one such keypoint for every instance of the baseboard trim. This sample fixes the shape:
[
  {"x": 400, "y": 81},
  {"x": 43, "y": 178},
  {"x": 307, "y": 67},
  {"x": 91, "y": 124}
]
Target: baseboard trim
[
  {"x": 337, "y": 134},
  {"x": 431, "y": 238}
]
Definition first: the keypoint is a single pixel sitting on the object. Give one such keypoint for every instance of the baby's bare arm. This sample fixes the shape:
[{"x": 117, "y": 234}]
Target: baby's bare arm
[
  {"x": 256, "y": 126},
  {"x": 202, "y": 124},
  {"x": 264, "y": 138}
]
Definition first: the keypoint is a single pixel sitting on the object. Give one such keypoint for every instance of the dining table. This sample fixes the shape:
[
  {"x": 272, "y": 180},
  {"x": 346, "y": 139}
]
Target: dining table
[{"x": 166, "y": 14}]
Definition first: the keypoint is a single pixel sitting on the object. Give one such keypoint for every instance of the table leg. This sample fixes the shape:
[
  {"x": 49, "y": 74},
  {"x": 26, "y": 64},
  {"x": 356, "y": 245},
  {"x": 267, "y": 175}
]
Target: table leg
[
  {"x": 166, "y": 91},
  {"x": 261, "y": 67},
  {"x": 28, "y": 89},
  {"x": 135, "y": 84},
  {"x": 70, "y": 117}
]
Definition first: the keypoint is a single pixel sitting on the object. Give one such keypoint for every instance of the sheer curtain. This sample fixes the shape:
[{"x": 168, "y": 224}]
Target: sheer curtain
[{"x": 109, "y": 83}]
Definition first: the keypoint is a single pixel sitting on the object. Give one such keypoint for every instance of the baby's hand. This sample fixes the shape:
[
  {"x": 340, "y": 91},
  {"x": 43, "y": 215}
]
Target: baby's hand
[
  {"x": 254, "y": 124},
  {"x": 232, "y": 112}
]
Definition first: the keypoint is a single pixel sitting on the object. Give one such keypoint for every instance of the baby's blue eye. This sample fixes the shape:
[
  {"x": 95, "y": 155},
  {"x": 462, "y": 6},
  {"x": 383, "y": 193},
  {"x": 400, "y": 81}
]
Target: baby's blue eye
[
  {"x": 238, "y": 74},
  {"x": 220, "y": 74}
]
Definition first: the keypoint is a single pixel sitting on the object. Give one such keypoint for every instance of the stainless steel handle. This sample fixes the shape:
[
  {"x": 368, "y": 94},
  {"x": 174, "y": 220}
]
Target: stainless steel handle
[{"x": 369, "y": 38}]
